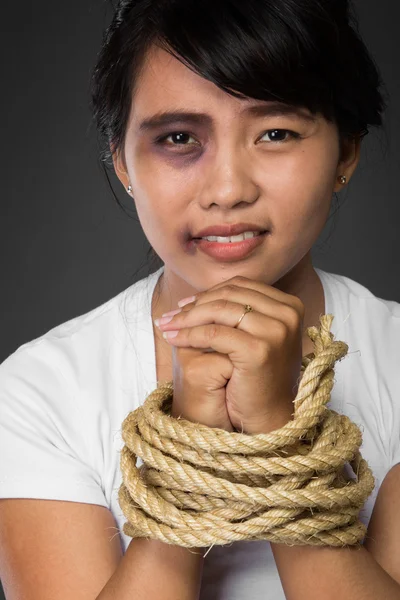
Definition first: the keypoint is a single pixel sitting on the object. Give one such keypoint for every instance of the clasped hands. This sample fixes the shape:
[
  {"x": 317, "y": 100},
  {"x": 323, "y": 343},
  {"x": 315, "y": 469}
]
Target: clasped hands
[{"x": 248, "y": 376}]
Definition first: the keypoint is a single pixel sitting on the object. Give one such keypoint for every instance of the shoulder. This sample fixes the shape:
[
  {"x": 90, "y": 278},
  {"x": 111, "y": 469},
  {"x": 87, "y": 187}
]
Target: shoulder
[
  {"x": 63, "y": 397},
  {"x": 77, "y": 350},
  {"x": 357, "y": 293},
  {"x": 365, "y": 316},
  {"x": 370, "y": 325}
]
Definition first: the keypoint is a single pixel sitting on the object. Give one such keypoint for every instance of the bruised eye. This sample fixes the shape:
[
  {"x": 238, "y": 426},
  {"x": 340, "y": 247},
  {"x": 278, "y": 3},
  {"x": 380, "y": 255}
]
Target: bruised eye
[{"x": 179, "y": 136}]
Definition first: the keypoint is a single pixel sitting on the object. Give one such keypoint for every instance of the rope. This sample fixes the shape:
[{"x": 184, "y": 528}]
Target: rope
[{"x": 201, "y": 486}]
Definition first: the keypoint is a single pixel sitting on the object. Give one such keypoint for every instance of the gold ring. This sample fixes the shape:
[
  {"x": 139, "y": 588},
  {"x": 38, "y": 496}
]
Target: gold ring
[{"x": 247, "y": 309}]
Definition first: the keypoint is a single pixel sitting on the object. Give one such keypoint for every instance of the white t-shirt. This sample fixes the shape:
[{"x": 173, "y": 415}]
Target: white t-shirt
[{"x": 63, "y": 398}]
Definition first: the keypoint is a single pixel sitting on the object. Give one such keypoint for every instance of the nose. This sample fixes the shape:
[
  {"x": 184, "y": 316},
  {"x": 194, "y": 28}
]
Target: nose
[{"x": 229, "y": 181}]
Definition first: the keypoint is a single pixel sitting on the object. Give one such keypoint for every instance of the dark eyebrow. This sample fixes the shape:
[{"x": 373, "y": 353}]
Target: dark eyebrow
[{"x": 259, "y": 110}]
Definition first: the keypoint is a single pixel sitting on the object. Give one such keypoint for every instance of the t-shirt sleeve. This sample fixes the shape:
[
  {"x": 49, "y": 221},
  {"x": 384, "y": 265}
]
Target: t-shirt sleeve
[
  {"x": 392, "y": 387},
  {"x": 394, "y": 440},
  {"x": 42, "y": 450}
]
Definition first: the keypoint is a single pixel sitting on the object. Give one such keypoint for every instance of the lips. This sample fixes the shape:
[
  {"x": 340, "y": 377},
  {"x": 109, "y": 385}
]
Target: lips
[
  {"x": 228, "y": 230},
  {"x": 231, "y": 251}
]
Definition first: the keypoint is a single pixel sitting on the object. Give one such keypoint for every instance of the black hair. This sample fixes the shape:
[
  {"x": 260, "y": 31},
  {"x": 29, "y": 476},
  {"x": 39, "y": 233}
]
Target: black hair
[{"x": 307, "y": 53}]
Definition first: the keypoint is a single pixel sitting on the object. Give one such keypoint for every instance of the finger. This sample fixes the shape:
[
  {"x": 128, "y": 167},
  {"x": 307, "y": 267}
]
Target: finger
[
  {"x": 240, "y": 346},
  {"x": 270, "y": 307},
  {"x": 224, "y": 312},
  {"x": 261, "y": 287}
]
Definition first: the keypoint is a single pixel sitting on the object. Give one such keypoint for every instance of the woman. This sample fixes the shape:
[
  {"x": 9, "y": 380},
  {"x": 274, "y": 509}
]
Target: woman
[{"x": 277, "y": 97}]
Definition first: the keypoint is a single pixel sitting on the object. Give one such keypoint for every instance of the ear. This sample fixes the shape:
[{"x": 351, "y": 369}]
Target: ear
[
  {"x": 120, "y": 167},
  {"x": 349, "y": 159}
]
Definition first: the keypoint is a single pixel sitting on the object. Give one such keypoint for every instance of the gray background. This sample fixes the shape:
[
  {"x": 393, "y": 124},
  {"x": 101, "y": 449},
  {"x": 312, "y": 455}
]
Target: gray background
[{"x": 66, "y": 247}]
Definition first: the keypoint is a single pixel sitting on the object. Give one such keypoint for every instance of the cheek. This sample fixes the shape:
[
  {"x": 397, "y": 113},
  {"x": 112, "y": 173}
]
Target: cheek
[
  {"x": 156, "y": 192},
  {"x": 306, "y": 189}
]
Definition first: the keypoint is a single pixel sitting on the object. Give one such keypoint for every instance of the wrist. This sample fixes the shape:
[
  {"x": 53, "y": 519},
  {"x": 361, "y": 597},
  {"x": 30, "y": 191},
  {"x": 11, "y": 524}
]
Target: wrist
[
  {"x": 170, "y": 550},
  {"x": 176, "y": 558},
  {"x": 271, "y": 422}
]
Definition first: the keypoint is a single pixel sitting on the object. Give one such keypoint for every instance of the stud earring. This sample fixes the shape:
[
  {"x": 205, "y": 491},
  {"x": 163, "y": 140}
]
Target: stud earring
[
  {"x": 129, "y": 189},
  {"x": 342, "y": 179}
]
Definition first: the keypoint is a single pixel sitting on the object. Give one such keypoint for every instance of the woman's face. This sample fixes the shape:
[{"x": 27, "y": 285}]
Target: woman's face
[{"x": 225, "y": 168}]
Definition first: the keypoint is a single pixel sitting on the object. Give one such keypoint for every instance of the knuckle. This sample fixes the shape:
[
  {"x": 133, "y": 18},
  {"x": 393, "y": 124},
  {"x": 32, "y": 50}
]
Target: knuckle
[
  {"x": 281, "y": 330},
  {"x": 227, "y": 290},
  {"x": 299, "y": 308},
  {"x": 212, "y": 331},
  {"x": 261, "y": 350},
  {"x": 293, "y": 316},
  {"x": 221, "y": 304},
  {"x": 302, "y": 308}
]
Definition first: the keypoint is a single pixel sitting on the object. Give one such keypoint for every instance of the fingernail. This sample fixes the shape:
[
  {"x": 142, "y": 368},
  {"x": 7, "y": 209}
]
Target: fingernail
[
  {"x": 162, "y": 321},
  {"x": 171, "y": 313},
  {"x": 185, "y": 301},
  {"x": 170, "y": 334}
]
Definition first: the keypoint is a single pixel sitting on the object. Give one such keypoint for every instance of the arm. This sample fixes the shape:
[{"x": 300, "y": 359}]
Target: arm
[
  {"x": 154, "y": 570},
  {"x": 56, "y": 550},
  {"x": 371, "y": 572}
]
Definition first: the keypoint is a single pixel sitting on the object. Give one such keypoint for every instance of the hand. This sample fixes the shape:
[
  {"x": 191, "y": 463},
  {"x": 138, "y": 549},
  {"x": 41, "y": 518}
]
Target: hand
[
  {"x": 199, "y": 381},
  {"x": 254, "y": 369}
]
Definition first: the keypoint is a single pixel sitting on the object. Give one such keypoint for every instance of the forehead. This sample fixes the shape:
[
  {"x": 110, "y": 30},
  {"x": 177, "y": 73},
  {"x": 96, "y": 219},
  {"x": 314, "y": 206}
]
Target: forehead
[
  {"x": 166, "y": 85},
  {"x": 165, "y": 79}
]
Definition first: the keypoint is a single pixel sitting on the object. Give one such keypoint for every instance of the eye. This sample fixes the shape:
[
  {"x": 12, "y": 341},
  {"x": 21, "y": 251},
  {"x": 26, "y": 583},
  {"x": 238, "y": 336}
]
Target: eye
[
  {"x": 292, "y": 135},
  {"x": 180, "y": 136}
]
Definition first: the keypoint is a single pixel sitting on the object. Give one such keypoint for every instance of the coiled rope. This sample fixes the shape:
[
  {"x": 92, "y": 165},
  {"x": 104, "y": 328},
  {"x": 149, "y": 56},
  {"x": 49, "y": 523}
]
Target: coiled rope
[{"x": 201, "y": 486}]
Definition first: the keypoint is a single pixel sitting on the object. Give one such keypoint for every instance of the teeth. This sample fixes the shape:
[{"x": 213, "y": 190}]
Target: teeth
[{"x": 232, "y": 238}]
